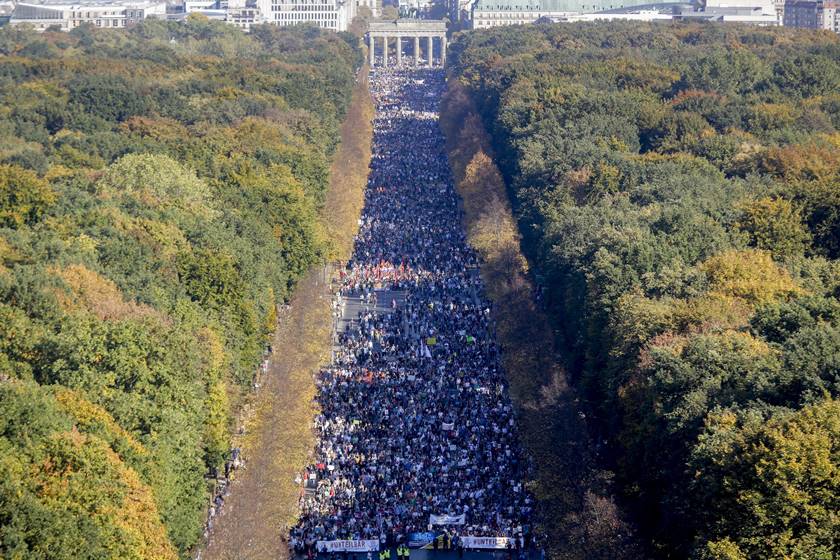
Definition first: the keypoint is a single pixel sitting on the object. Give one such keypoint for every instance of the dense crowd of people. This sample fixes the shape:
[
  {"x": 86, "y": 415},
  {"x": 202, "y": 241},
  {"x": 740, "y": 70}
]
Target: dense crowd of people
[{"x": 415, "y": 416}]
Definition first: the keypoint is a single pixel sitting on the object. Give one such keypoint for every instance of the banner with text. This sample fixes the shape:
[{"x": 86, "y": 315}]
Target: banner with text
[
  {"x": 486, "y": 542},
  {"x": 419, "y": 540},
  {"x": 447, "y": 519},
  {"x": 348, "y": 546}
]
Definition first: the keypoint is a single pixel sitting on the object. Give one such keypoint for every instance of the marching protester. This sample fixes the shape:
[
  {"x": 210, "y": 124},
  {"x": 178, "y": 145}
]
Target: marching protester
[{"x": 416, "y": 428}]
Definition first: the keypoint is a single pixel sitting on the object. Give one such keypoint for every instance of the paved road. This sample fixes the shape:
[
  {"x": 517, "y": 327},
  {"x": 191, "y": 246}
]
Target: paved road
[
  {"x": 352, "y": 305},
  {"x": 415, "y": 420}
]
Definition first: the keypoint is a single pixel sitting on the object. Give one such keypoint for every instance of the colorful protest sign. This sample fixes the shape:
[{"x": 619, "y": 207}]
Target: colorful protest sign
[{"x": 419, "y": 540}]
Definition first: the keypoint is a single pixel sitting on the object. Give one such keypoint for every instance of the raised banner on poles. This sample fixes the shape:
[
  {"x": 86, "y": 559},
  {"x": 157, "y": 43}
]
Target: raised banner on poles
[
  {"x": 486, "y": 542},
  {"x": 371, "y": 545},
  {"x": 447, "y": 519}
]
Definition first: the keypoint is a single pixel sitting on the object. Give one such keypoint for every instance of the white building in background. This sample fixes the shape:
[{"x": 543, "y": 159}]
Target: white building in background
[
  {"x": 335, "y": 15},
  {"x": 641, "y": 15},
  {"x": 375, "y": 6},
  {"x": 416, "y": 8},
  {"x": 494, "y": 13},
  {"x": 753, "y": 12},
  {"x": 244, "y": 17},
  {"x": 192, "y": 6},
  {"x": 235, "y": 12},
  {"x": 99, "y": 13},
  {"x": 780, "y": 10}
]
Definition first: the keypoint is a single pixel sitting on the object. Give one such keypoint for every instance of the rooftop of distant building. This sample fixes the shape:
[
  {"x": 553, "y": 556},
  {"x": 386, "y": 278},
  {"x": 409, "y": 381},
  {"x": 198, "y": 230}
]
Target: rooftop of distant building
[
  {"x": 562, "y": 6},
  {"x": 91, "y": 3}
]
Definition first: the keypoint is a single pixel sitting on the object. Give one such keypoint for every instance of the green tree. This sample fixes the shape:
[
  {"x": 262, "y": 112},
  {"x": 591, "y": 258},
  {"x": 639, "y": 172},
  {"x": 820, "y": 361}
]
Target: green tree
[
  {"x": 774, "y": 225},
  {"x": 174, "y": 203},
  {"x": 807, "y": 75},
  {"x": 146, "y": 181},
  {"x": 65, "y": 493},
  {"x": 106, "y": 96},
  {"x": 24, "y": 197},
  {"x": 730, "y": 71},
  {"x": 769, "y": 487},
  {"x": 677, "y": 192}
]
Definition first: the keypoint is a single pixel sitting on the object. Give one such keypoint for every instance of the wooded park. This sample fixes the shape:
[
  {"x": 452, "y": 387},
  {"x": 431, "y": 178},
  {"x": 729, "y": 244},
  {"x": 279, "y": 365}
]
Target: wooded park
[
  {"x": 159, "y": 193},
  {"x": 656, "y": 214},
  {"x": 678, "y": 192}
]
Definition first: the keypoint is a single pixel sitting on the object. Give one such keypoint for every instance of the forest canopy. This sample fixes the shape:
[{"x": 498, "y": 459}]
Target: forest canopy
[
  {"x": 678, "y": 191},
  {"x": 159, "y": 194}
]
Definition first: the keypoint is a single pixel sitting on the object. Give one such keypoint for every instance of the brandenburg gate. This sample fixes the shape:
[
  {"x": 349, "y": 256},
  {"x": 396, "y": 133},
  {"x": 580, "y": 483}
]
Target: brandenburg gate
[{"x": 425, "y": 30}]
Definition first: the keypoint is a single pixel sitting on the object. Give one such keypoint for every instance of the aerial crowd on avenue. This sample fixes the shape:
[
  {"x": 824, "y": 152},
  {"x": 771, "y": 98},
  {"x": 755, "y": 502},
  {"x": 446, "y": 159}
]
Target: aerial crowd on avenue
[{"x": 415, "y": 418}]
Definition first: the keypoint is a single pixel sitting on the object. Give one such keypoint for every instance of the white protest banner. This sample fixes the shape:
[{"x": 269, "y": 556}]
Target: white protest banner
[
  {"x": 348, "y": 546},
  {"x": 486, "y": 542},
  {"x": 447, "y": 519}
]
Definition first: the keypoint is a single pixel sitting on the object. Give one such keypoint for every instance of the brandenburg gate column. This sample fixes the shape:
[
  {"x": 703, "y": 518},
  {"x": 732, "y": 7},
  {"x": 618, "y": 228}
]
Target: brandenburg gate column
[
  {"x": 431, "y": 49},
  {"x": 424, "y": 33}
]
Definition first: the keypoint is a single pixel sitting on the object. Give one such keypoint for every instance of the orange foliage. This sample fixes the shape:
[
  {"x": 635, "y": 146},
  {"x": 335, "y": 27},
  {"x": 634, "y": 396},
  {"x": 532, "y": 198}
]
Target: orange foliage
[
  {"x": 689, "y": 94},
  {"x": 800, "y": 162},
  {"x": 94, "y": 293},
  {"x": 73, "y": 478}
]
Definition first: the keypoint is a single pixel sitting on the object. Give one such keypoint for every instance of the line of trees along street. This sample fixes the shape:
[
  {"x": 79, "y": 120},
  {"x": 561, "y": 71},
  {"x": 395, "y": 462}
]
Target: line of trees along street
[
  {"x": 159, "y": 195},
  {"x": 678, "y": 191}
]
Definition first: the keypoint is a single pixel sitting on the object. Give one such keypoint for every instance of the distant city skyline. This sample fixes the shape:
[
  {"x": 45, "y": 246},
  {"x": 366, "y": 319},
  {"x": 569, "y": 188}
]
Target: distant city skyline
[{"x": 338, "y": 15}]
